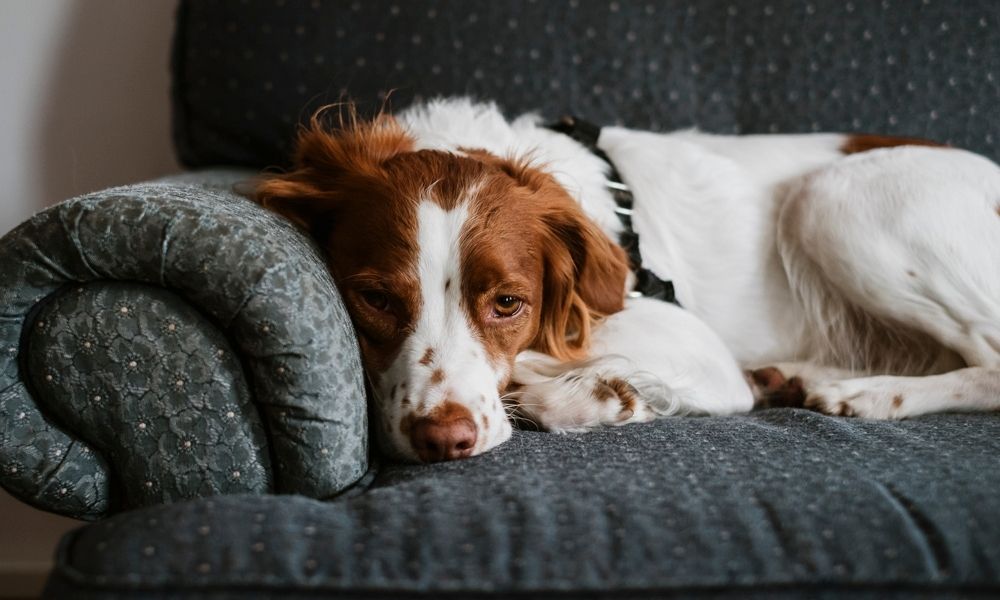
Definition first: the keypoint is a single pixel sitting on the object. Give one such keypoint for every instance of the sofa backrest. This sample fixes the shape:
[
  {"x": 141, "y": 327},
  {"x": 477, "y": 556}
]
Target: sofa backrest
[{"x": 246, "y": 73}]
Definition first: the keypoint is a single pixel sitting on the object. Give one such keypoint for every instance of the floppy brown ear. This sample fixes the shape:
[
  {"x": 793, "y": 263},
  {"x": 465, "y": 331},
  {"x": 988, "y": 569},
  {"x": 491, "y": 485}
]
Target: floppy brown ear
[
  {"x": 298, "y": 197},
  {"x": 324, "y": 157},
  {"x": 585, "y": 277}
]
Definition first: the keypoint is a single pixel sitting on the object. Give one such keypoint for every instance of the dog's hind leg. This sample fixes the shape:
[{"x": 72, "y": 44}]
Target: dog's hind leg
[
  {"x": 784, "y": 385},
  {"x": 895, "y": 397},
  {"x": 895, "y": 255},
  {"x": 844, "y": 393}
]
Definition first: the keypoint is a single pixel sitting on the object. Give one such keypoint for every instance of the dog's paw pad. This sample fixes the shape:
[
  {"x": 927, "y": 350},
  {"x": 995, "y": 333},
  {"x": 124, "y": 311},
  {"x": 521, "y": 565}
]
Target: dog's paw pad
[
  {"x": 771, "y": 389},
  {"x": 768, "y": 378}
]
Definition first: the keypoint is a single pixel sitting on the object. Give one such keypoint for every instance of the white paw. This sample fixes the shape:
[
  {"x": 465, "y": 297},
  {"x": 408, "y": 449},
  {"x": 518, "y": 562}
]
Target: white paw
[
  {"x": 570, "y": 397},
  {"x": 854, "y": 399},
  {"x": 580, "y": 400}
]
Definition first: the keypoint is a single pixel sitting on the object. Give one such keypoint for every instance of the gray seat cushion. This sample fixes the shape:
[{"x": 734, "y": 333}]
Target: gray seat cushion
[{"x": 781, "y": 502}]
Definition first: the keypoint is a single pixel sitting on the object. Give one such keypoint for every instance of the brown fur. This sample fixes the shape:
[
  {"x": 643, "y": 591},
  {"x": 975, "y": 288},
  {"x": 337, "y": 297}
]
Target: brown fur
[
  {"x": 450, "y": 411},
  {"x": 774, "y": 391},
  {"x": 428, "y": 357},
  {"x": 856, "y": 143},
  {"x": 582, "y": 272},
  {"x": 356, "y": 190},
  {"x": 628, "y": 396}
]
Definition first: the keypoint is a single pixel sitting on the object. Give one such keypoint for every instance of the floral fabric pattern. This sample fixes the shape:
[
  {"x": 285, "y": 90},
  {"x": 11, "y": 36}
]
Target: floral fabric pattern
[{"x": 171, "y": 340}]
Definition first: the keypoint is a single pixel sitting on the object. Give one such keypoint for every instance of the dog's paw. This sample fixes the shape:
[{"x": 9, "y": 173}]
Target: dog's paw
[
  {"x": 773, "y": 389},
  {"x": 849, "y": 399},
  {"x": 579, "y": 400}
]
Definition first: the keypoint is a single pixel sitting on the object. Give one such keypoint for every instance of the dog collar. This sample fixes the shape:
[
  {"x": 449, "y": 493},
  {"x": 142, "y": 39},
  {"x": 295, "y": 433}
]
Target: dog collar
[{"x": 647, "y": 283}]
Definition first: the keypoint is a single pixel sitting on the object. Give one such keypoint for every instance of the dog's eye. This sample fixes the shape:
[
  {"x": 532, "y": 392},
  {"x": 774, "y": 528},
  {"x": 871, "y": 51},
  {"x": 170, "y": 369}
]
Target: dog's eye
[
  {"x": 376, "y": 299},
  {"x": 506, "y": 306}
]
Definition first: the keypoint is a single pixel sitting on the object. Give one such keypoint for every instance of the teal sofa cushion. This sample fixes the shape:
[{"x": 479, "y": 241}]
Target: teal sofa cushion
[{"x": 169, "y": 340}]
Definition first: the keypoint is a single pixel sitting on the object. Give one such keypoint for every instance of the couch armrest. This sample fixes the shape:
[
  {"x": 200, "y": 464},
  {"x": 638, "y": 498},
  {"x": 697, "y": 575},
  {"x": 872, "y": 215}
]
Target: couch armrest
[{"x": 168, "y": 340}]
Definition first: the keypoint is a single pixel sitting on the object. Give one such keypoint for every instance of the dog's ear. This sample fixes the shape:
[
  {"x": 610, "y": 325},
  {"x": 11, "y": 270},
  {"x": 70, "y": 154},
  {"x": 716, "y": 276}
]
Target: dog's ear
[
  {"x": 585, "y": 277},
  {"x": 324, "y": 158},
  {"x": 584, "y": 271}
]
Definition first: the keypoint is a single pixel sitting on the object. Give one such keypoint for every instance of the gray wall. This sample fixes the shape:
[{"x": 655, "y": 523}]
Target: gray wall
[
  {"x": 85, "y": 102},
  {"x": 85, "y": 105}
]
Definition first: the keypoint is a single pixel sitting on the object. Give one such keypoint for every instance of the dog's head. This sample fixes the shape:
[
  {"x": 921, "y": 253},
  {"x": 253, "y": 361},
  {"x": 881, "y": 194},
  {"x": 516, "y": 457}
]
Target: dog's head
[{"x": 450, "y": 264}]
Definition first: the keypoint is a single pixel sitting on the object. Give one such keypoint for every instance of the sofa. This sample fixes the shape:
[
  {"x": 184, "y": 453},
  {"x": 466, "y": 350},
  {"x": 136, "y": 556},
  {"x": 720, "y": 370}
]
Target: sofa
[{"x": 176, "y": 366}]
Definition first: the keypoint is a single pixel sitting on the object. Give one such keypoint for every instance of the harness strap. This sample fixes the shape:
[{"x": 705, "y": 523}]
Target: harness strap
[{"x": 647, "y": 283}]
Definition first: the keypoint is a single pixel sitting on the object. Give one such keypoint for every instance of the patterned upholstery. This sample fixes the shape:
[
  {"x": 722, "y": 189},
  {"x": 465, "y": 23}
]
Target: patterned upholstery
[
  {"x": 929, "y": 68},
  {"x": 172, "y": 340},
  {"x": 777, "y": 504}
]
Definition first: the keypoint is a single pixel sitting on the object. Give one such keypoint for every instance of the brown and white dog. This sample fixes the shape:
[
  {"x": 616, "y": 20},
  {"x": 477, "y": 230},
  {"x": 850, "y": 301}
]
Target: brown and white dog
[{"x": 478, "y": 259}]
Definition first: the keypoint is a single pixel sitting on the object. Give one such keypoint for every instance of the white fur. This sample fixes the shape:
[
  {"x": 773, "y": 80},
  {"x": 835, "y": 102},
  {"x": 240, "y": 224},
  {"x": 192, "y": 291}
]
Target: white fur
[
  {"x": 459, "y": 123},
  {"x": 469, "y": 378},
  {"x": 676, "y": 363},
  {"x": 781, "y": 250}
]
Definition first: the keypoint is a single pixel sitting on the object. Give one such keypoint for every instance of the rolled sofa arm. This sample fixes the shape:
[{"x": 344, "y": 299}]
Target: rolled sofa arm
[{"x": 169, "y": 340}]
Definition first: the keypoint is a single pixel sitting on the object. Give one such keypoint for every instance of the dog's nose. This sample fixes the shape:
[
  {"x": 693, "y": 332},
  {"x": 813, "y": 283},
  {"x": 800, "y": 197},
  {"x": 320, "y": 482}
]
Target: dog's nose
[{"x": 436, "y": 439}]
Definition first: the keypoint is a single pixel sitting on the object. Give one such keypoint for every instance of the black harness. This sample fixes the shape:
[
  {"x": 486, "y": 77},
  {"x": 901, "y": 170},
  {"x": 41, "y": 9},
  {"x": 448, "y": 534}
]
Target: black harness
[{"x": 647, "y": 284}]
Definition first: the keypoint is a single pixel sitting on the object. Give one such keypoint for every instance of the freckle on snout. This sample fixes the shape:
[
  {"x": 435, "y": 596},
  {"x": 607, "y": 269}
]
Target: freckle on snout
[
  {"x": 437, "y": 376},
  {"x": 427, "y": 357},
  {"x": 897, "y": 401}
]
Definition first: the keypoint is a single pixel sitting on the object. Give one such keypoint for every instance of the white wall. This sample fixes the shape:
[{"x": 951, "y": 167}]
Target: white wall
[
  {"x": 85, "y": 98},
  {"x": 84, "y": 106}
]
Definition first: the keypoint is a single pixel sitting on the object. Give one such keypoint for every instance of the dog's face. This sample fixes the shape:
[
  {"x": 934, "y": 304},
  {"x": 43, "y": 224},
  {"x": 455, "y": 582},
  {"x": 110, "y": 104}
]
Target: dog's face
[{"x": 449, "y": 265}]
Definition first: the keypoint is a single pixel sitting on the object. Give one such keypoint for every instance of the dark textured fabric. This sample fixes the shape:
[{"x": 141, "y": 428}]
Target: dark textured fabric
[
  {"x": 223, "y": 362},
  {"x": 243, "y": 78},
  {"x": 155, "y": 389},
  {"x": 778, "y": 500},
  {"x": 58, "y": 589},
  {"x": 779, "y": 504}
]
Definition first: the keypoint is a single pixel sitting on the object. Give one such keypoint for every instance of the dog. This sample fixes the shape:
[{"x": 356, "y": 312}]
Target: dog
[{"x": 480, "y": 261}]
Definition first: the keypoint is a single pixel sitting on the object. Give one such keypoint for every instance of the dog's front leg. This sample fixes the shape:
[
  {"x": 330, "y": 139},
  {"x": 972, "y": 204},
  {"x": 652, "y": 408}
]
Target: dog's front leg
[
  {"x": 564, "y": 397},
  {"x": 650, "y": 360}
]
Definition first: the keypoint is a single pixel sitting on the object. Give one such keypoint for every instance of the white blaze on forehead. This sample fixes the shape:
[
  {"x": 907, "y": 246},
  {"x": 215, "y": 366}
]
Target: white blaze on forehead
[
  {"x": 439, "y": 232},
  {"x": 444, "y": 323},
  {"x": 465, "y": 374}
]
